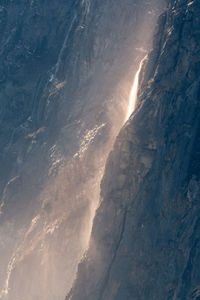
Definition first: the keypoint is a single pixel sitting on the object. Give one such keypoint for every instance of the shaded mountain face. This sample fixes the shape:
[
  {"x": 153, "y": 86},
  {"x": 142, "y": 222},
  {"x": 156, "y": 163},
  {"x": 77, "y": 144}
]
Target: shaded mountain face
[
  {"x": 66, "y": 69},
  {"x": 146, "y": 235}
]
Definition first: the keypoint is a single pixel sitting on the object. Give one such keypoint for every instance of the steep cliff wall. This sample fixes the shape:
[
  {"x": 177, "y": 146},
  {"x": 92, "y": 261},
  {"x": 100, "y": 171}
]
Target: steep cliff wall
[
  {"x": 66, "y": 68},
  {"x": 146, "y": 235}
]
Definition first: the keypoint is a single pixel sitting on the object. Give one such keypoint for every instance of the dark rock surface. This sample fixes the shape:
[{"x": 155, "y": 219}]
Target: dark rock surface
[
  {"x": 65, "y": 69},
  {"x": 145, "y": 241}
]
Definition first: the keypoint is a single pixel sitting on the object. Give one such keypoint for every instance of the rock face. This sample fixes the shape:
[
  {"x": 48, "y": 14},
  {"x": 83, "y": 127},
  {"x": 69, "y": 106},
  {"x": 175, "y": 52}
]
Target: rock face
[
  {"x": 146, "y": 234},
  {"x": 66, "y": 68}
]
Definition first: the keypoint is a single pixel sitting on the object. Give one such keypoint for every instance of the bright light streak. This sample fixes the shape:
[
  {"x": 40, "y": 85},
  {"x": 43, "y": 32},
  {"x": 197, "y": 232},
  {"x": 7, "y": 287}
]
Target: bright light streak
[{"x": 134, "y": 92}]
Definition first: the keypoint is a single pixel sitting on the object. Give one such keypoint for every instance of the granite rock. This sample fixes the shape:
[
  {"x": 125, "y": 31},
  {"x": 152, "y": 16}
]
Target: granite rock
[{"x": 146, "y": 234}]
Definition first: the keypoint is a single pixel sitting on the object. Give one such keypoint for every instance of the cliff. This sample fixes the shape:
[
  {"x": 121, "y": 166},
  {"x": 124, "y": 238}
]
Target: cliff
[
  {"x": 146, "y": 234},
  {"x": 66, "y": 68}
]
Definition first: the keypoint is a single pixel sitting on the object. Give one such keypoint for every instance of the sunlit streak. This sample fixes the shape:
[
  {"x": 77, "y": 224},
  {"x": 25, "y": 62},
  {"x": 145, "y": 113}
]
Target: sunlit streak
[{"x": 134, "y": 92}]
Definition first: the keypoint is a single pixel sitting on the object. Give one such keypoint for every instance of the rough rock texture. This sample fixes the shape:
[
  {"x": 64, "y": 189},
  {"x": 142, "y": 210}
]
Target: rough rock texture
[
  {"x": 146, "y": 235},
  {"x": 66, "y": 68},
  {"x": 51, "y": 55}
]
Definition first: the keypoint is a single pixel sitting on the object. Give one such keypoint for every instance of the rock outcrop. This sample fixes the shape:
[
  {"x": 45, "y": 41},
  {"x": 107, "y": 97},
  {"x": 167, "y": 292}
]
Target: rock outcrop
[{"x": 146, "y": 234}]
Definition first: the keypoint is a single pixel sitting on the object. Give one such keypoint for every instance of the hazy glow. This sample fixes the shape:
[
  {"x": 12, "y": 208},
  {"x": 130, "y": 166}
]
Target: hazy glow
[
  {"x": 69, "y": 202},
  {"x": 134, "y": 92}
]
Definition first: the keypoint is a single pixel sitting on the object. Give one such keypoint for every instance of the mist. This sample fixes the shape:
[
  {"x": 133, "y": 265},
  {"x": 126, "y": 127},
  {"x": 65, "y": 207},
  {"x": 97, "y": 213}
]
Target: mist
[{"x": 51, "y": 192}]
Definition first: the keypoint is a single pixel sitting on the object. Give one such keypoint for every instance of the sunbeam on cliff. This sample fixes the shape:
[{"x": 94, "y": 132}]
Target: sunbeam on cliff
[{"x": 134, "y": 91}]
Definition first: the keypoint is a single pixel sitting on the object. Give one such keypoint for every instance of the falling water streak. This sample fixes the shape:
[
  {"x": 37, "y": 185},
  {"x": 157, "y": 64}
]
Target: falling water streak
[
  {"x": 88, "y": 137},
  {"x": 134, "y": 91}
]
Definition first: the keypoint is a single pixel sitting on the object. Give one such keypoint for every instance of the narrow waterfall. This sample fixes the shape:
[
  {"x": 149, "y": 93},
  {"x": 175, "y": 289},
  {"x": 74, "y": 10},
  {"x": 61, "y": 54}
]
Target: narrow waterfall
[
  {"x": 45, "y": 227},
  {"x": 134, "y": 91},
  {"x": 59, "y": 123}
]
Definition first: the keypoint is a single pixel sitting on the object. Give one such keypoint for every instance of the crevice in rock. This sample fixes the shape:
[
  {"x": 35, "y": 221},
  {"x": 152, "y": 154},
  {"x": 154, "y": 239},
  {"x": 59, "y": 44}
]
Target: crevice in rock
[{"x": 107, "y": 276}]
